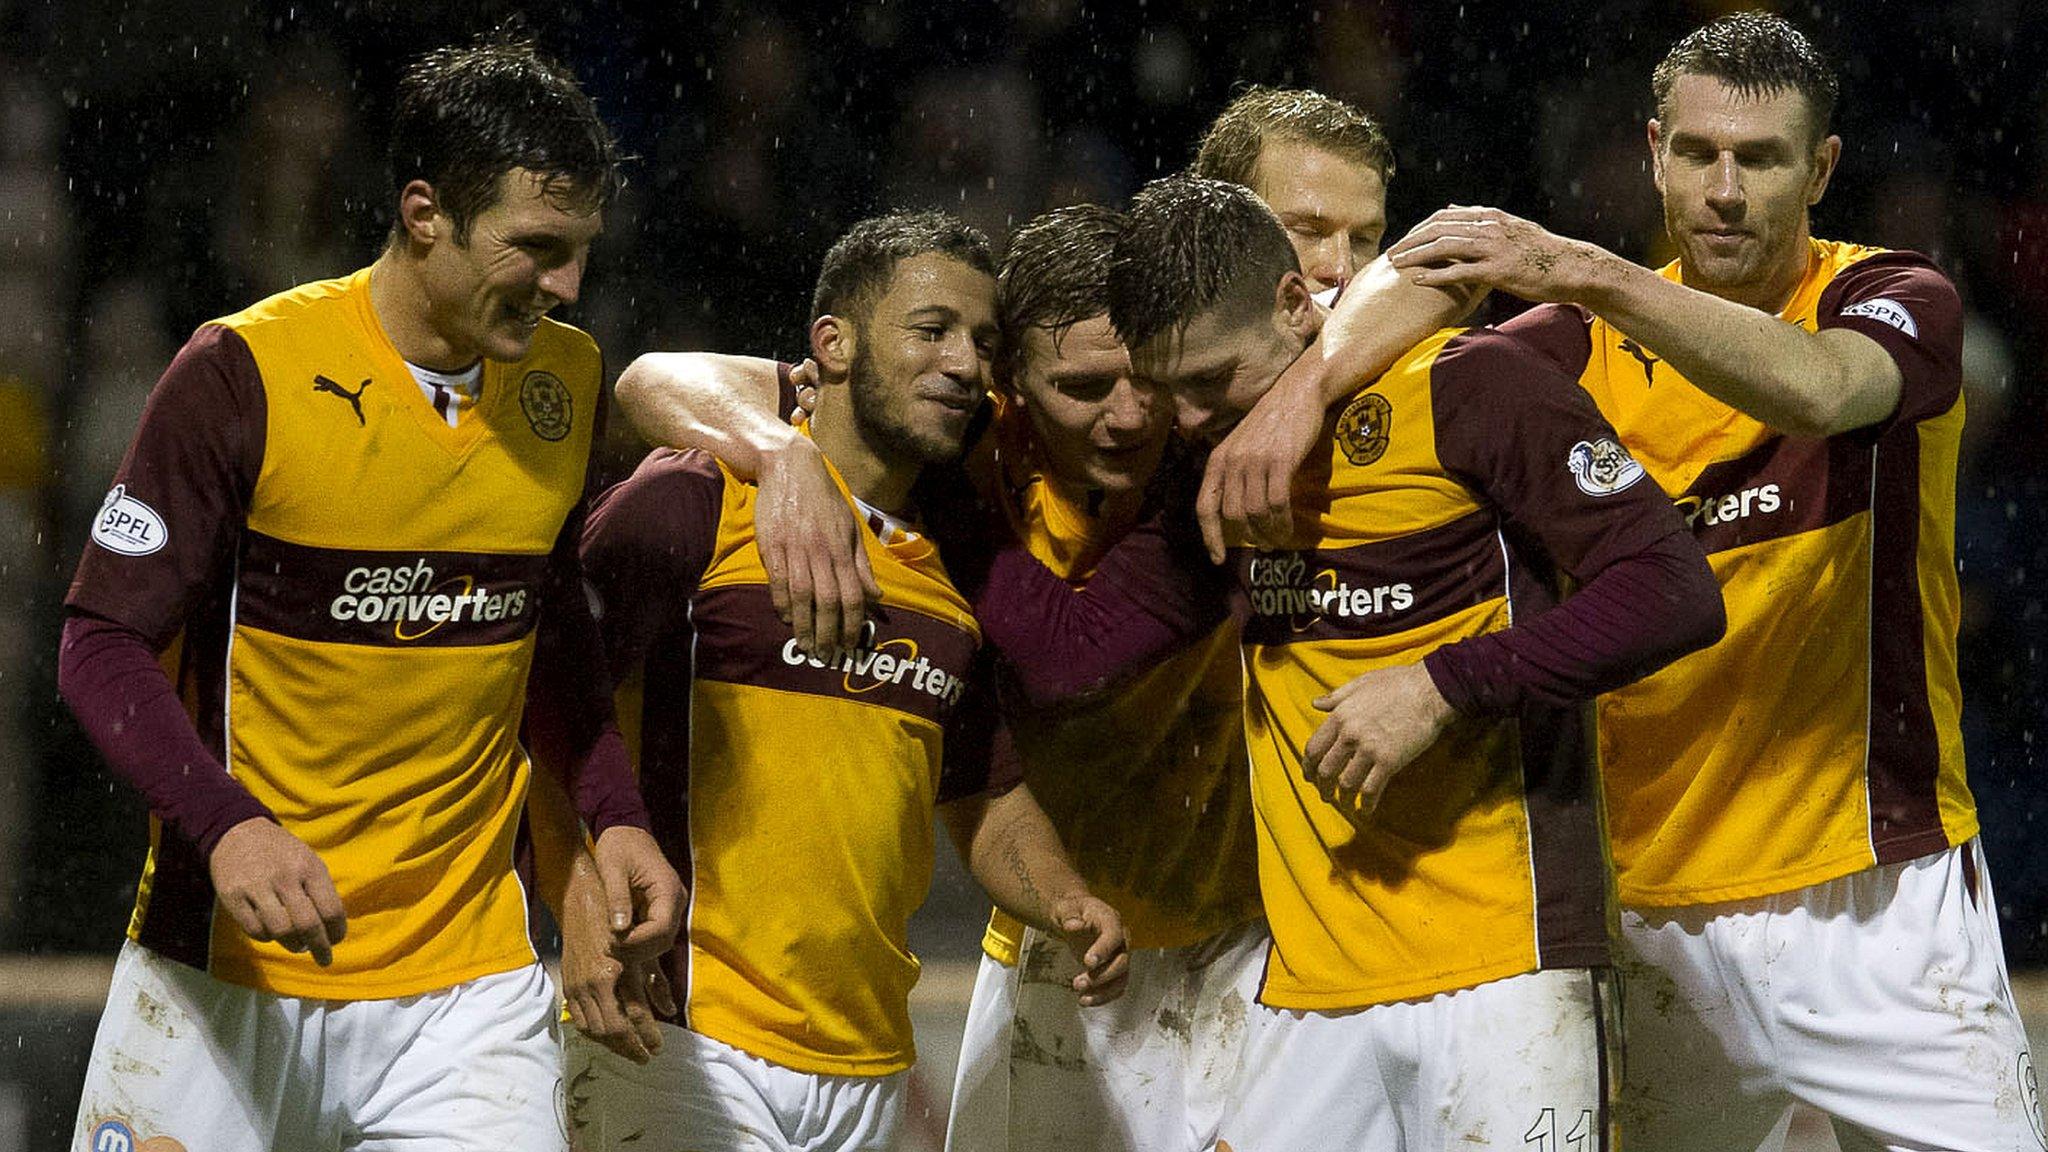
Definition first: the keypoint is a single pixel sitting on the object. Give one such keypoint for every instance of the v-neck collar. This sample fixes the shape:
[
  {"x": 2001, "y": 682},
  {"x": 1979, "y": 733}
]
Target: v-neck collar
[{"x": 458, "y": 441}]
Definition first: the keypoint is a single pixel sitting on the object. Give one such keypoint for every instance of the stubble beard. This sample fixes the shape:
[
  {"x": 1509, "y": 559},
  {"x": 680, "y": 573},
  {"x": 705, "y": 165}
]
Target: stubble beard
[{"x": 886, "y": 431}]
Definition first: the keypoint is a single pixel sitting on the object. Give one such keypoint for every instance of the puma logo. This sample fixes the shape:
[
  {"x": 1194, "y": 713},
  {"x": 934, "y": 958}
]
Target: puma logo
[
  {"x": 1643, "y": 357},
  {"x": 355, "y": 398}
]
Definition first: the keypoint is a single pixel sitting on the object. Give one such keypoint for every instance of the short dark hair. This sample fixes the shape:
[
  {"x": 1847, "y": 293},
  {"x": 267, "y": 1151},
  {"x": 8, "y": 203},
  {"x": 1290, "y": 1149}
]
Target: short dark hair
[
  {"x": 1055, "y": 275},
  {"x": 861, "y": 263},
  {"x": 1230, "y": 148},
  {"x": 1757, "y": 54},
  {"x": 1188, "y": 244},
  {"x": 467, "y": 115}
]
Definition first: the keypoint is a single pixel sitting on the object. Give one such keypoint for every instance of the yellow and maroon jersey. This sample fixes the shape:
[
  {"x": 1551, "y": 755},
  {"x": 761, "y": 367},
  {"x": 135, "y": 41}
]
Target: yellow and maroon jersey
[
  {"x": 1146, "y": 781},
  {"x": 1822, "y": 735},
  {"x": 1456, "y": 497},
  {"x": 795, "y": 793},
  {"x": 357, "y": 586}
]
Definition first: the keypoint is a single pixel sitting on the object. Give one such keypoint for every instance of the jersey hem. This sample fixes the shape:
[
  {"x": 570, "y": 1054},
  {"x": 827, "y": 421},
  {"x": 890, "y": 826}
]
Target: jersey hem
[
  {"x": 764, "y": 1047},
  {"x": 253, "y": 977},
  {"x": 1896, "y": 850},
  {"x": 1372, "y": 996}
]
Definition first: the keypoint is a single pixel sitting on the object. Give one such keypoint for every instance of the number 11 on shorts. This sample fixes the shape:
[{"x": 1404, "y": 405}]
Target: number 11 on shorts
[{"x": 1542, "y": 1135}]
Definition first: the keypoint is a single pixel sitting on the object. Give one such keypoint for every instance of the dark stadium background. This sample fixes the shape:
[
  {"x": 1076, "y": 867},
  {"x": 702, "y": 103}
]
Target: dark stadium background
[{"x": 164, "y": 163}]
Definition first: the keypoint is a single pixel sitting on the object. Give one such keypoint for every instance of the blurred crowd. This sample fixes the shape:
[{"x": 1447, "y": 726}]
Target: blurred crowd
[{"x": 162, "y": 164}]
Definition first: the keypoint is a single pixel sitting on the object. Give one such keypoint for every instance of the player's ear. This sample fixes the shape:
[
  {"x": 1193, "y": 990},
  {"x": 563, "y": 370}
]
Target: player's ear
[
  {"x": 834, "y": 341},
  {"x": 1295, "y": 306},
  {"x": 420, "y": 215},
  {"x": 1825, "y": 155},
  {"x": 1656, "y": 137}
]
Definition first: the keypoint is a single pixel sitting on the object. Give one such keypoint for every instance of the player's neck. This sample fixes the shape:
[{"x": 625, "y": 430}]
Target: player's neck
[
  {"x": 1111, "y": 511},
  {"x": 877, "y": 477},
  {"x": 405, "y": 311}
]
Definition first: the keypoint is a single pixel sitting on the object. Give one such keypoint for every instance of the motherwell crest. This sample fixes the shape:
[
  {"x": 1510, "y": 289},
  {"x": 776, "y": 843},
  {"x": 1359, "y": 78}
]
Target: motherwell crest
[
  {"x": 1363, "y": 428},
  {"x": 546, "y": 402}
]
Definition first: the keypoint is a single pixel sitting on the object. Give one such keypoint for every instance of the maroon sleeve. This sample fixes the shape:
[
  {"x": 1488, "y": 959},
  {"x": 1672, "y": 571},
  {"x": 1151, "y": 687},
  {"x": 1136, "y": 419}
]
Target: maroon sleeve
[
  {"x": 1560, "y": 333},
  {"x": 1640, "y": 613},
  {"x": 1903, "y": 302},
  {"x": 980, "y": 759},
  {"x": 109, "y": 675},
  {"x": 1152, "y": 593},
  {"x": 162, "y": 543},
  {"x": 165, "y": 537},
  {"x": 1517, "y": 429},
  {"x": 646, "y": 546},
  {"x": 569, "y": 723}
]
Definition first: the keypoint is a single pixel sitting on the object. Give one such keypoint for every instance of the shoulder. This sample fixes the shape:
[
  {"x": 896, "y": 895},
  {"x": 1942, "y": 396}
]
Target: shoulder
[
  {"x": 315, "y": 302},
  {"x": 565, "y": 351},
  {"x": 1562, "y": 333},
  {"x": 1904, "y": 290},
  {"x": 667, "y": 473},
  {"x": 1493, "y": 362}
]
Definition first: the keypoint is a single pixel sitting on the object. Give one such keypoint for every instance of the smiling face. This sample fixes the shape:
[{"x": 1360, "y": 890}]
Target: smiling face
[
  {"x": 1097, "y": 426},
  {"x": 920, "y": 366},
  {"x": 1738, "y": 172},
  {"x": 522, "y": 256},
  {"x": 1334, "y": 209}
]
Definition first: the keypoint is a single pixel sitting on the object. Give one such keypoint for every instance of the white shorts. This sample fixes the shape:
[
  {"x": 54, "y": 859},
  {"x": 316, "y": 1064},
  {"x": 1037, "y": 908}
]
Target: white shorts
[
  {"x": 185, "y": 1061},
  {"x": 1880, "y": 999},
  {"x": 1520, "y": 1065},
  {"x": 1151, "y": 1070},
  {"x": 699, "y": 1095}
]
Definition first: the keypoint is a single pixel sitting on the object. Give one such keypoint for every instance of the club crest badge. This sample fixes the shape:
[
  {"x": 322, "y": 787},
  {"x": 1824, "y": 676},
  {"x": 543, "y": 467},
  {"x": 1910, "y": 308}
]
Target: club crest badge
[
  {"x": 1363, "y": 429},
  {"x": 1602, "y": 467},
  {"x": 550, "y": 410}
]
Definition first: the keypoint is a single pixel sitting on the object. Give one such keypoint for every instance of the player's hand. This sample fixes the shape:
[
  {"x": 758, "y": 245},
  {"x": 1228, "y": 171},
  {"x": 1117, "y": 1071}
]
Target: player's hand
[
  {"x": 1095, "y": 934},
  {"x": 1487, "y": 248},
  {"x": 1379, "y": 721},
  {"x": 276, "y": 888},
  {"x": 813, "y": 550},
  {"x": 1248, "y": 483},
  {"x": 804, "y": 378},
  {"x": 610, "y": 1000},
  {"x": 643, "y": 895}
]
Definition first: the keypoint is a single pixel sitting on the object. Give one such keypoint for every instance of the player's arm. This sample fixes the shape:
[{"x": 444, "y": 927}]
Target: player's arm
[
  {"x": 1248, "y": 485},
  {"x": 1011, "y": 847},
  {"x": 163, "y": 544},
  {"x": 642, "y": 551},
  {"x": 735, "y": 408},
  {"x": 571, "y": 733},
  {"x": 1509, "y": 422},
  {"x": 1806, "y": 383},
  {"x": 1149, "y": 596}
]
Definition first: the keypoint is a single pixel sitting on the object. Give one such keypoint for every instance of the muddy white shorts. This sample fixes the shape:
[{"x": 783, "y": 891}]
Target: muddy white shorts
[
  {"x": 187, "y": 1063},
  {"x": 1879, "y": 998},
  {"x": 1519, "y": 1065},
  {"x": 700, "y": 1095},
  {"x": 1151, "y": 1070}
]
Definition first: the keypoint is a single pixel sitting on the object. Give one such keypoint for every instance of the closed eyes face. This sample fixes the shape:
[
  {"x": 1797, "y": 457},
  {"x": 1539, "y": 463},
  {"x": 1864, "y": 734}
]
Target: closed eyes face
[
  {"x": 1738, "y": 172},
  {"x": 1218, "y": 367},
  {"x": 1334, "y": 209}
]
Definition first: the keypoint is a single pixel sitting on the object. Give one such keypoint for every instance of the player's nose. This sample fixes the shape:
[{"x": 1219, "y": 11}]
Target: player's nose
[
  {"x": 564, "y": 281},
  {"x": 1724, "y": 183}
]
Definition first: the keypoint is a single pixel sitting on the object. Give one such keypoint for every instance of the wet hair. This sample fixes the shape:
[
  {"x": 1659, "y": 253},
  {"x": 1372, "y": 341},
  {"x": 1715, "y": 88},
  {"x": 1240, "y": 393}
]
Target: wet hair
[
  {"x": 467, "y": 115},
  {"x": 1055, "y": 275},
  {"x": 1189, "y": 244},
  {"x": 1231, "y": 147},
  {"x": 1757, "y": 54},
  {"x": 860, "y": 264}
]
